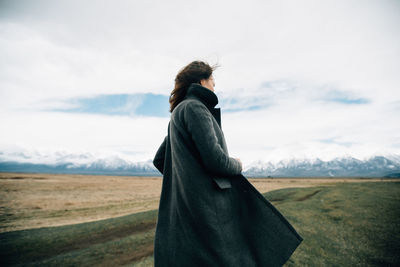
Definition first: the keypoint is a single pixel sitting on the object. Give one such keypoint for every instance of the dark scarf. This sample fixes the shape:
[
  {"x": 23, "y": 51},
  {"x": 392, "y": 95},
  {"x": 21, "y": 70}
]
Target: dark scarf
[{"x": 207, "y": 97}]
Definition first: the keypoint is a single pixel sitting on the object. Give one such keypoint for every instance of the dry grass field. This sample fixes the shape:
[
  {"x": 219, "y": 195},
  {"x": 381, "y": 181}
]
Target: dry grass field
[
  {"x": 111, "y": 220},
  {"x": 38, "y": 200}
]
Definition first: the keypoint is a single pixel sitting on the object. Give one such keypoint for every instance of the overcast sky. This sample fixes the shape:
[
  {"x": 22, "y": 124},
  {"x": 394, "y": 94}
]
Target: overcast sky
[{"x": 296, "y": 78}]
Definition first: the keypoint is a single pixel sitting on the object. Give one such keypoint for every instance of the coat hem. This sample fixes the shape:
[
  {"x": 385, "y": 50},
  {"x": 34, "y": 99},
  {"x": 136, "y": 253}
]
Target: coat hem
[{"x": 260, "y": 196}]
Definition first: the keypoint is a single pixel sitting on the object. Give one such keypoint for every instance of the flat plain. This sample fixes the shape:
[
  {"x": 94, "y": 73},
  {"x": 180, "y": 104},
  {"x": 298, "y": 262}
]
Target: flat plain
[
  {"x": 41, "y": 200},
  {"x": 82, "y": 220}
]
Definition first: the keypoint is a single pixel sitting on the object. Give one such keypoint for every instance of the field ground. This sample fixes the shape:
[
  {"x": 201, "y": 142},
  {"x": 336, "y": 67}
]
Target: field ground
[
  {"x": 343, "y": 224},
  {"x": 40, "y": 200}
]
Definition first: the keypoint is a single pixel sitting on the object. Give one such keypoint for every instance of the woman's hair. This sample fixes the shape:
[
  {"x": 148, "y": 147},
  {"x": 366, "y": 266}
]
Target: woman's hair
[{"x": 192, "y": 73}]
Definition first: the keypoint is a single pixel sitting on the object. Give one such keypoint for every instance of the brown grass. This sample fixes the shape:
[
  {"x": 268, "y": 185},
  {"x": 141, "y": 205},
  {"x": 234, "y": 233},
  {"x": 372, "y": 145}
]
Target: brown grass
[{"x": 39, "y": 200}]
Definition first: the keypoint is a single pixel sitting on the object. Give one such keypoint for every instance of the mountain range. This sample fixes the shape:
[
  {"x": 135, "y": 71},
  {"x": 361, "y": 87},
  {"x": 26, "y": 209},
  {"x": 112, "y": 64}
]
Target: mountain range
[{"x": 376, "y": 166}]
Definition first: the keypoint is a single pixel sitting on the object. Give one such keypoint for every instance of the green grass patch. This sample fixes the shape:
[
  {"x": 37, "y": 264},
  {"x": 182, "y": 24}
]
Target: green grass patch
[
  {"x": 348, "y": 224},
  {"x": 106, "y": 242}
]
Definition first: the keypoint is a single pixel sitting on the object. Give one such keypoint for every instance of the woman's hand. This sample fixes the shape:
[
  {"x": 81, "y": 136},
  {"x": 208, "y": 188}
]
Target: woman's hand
[{"x": 241, "y": 165}]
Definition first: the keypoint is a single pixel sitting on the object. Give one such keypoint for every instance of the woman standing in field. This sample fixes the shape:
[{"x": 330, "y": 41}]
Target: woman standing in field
[{"x": 209, "y": 214}]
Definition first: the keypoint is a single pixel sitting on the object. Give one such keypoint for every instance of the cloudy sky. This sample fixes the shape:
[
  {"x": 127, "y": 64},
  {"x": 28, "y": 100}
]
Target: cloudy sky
[{"x": 296, "y": 78}]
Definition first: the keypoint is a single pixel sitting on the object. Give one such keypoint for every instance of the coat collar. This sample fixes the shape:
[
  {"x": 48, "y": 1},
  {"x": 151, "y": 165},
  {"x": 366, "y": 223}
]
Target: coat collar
[{"x": 207, "y": 97}]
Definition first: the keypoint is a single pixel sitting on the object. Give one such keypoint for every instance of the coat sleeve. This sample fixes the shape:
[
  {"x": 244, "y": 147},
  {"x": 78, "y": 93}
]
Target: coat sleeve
[
  {"x": 198, "y": 120},
  {"x": 158, "y": 160}
]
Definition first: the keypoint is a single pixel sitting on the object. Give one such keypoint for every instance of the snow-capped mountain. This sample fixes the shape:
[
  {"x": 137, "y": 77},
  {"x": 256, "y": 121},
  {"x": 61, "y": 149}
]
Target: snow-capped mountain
[
  {"x": 87, "y": 163},
  {"x": 376, "y": 166},
  {"x": 101, "y": 166}
]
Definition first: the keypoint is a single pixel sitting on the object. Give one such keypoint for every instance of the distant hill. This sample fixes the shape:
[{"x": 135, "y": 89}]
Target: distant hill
[
  {"x": 393, "y": 175},
  {"x": 97, "y": 168},
  {"x": 377, "y": 166}
]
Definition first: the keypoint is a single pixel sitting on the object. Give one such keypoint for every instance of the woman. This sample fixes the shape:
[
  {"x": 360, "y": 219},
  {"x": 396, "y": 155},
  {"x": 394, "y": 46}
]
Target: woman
[{"x": 209, "y": 214}]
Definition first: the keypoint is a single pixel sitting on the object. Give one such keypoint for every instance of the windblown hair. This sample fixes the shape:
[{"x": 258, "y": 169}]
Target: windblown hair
[{"x": 192, "y": 73}]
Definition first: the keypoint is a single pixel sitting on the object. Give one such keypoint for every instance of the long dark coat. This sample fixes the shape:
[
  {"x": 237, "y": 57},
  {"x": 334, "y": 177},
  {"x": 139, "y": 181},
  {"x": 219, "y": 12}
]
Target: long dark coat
[{"x": 209, "y": 213}]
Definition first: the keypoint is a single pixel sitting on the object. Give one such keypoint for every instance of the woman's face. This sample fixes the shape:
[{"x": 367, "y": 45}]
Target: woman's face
[{"x": 209, "y": 83}]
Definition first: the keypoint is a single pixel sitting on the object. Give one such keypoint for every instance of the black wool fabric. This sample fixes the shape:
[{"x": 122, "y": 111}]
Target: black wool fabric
[{"x": 209, "y": 214}]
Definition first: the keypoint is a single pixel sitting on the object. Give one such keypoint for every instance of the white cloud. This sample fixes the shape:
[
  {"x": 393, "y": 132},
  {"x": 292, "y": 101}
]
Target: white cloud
[
  {"x": 295, "y": 125},
  {"x": 81, "y": 133}
]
